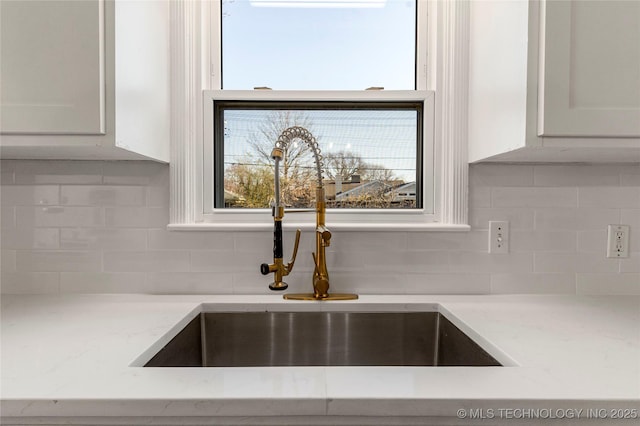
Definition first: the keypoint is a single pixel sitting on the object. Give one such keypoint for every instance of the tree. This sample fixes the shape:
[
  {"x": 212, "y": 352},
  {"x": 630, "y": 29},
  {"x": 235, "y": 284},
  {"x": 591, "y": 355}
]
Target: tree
[
  {"x": 370, "y": 200},
  {"x": 297, "y": 166},
  {"x": 370, "y": 172},
  {"x": 342, "y": 164},
  {"x": 253, "y": 179},
  {"x": 345, "y": 164},
  {"x": 298, "y": 156},
  {"x": 253, "y": 183}
]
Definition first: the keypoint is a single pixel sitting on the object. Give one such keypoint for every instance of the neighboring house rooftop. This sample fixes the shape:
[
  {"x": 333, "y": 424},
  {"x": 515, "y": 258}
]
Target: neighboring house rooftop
[
  {"x": 404, "y": 192},
  {"x": 232, "y": 197},
  {"x": 373, "y": 187}
]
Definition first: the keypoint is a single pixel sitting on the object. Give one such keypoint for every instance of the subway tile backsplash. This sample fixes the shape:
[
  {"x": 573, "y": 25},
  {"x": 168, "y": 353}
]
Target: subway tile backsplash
[{"x": 100, "y": 227}]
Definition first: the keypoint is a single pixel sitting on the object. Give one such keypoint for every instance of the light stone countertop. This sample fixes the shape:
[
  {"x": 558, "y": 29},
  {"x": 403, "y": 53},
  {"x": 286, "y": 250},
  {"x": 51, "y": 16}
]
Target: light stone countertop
[{"x": 76, "y": 358}]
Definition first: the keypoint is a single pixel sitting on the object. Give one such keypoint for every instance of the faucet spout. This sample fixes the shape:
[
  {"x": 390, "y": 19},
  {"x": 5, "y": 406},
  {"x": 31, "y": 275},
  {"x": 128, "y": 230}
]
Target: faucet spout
[{"x": 320, "y": 279}]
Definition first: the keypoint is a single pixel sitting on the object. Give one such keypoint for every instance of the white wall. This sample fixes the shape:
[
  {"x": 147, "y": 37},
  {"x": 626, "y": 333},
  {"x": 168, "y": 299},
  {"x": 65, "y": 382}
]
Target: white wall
[{"x": 82, "y": 226}]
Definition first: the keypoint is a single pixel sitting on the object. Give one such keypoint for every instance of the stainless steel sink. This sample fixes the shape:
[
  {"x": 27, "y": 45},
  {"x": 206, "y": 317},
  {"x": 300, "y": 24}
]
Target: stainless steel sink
[{"x": 244, "y": 339}]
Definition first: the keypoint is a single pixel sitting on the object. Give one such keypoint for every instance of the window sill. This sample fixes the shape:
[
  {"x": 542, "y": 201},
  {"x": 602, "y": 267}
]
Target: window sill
[{"x": 348, "y": 227}]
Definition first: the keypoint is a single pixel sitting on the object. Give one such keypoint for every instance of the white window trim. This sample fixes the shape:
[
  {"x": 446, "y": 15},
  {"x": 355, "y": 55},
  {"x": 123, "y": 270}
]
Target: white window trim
[
  {"x": 448, "y": 23},
  {"x": 339, "y": 218}
]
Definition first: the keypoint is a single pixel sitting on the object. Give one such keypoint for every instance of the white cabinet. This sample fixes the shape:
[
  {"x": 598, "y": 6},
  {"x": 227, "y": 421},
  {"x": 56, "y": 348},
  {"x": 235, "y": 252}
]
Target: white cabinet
[
  {"x": 84, "y": 79},
  {"x": 590, "y": 82},
  {"x": 52, "y": 69},
  {"x": 555, "y": 81}
]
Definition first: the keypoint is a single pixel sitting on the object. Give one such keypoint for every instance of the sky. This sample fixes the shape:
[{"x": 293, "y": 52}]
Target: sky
[
  {"x": 318, "y": 48},
  {"x": 382, "y": 137},
  {"x": 325, "y": 48}
]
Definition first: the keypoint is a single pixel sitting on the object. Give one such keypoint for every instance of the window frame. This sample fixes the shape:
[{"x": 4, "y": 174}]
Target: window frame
[
  {"x": 220, "y": 105},
  {"x": 193, "y": 40},
  {"x": 340, "y": 217}
]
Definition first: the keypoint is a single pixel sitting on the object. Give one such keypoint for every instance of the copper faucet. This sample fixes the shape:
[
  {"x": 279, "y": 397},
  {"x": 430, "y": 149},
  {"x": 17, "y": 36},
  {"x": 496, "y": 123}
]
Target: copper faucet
[{"x": 323, "y": 235}]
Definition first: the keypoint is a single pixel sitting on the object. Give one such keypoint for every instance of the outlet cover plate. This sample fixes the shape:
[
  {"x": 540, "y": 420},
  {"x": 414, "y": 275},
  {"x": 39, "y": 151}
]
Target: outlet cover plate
[
  {"x": 499, "y": 237},
  {"x": 618, "y": 241}
]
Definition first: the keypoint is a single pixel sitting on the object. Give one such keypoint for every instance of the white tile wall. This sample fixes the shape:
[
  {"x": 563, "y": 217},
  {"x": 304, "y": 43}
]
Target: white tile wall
[
  {"x": 58, "y": 216},
  {"x": 78, "y": 238},
  {"x": 630, "y": 176},
  {"x": 189, "y": 282},
  {"x": 534, "y": 197},
  {"x": 569, "y": 175},
  {"x": 57, "y": 261},
  {"x": 627, "y": 197},
  {"x": 543, "y": 241},
  {"x": 161, "y": 239},
  {"x": 592, "y": 241},
  {"x": 32, "y": 195},
  {"x": 631, "y": 264},
  {"x": 561, "y": 283},
  {"x": 30, "y": 238},
  {"x": 631, "y": 217},
  {"x": 457, "y": 283},
  {"x": 146, "y": 261},
  {"x": 100, "y": 227},
  {"x": 58, "y": 172},
  {"x": 104, "y": 282},
  {"x": 575, "y": 219},
  {"x": 518, "y": 218},
  {"x": 575, "y": 262},
  {"x": 608, "y": 284},
  {"x": 30, "y": 282},
  {"x": 107, "y": 195}
]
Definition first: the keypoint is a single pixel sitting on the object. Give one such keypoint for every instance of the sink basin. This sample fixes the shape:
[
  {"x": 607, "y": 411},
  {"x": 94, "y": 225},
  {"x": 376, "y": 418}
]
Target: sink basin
[{"x": 250, "y": 339}]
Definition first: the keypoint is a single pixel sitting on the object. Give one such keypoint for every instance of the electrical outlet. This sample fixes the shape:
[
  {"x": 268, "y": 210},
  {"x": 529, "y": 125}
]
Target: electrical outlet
[
  {"x": 618, "y": 241},
  {"x": 498, "y": 237}
]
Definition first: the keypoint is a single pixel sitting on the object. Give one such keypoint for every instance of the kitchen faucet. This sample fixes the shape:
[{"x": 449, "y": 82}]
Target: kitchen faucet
[{"x": 323, "y": 235}]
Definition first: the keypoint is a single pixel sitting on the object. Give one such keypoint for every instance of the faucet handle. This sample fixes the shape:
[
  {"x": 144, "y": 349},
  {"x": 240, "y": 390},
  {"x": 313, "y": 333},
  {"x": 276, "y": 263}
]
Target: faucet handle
[
  {"x": 295, "y": 251},
  {"x": 265, "y": 269},
  {"x": 325, "y": 235}
]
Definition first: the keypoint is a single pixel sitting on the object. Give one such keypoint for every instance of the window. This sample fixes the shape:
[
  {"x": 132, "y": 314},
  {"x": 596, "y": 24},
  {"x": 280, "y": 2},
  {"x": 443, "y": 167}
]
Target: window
[
  {"x": 318, "y": 44},
  {"x": 370, "y": 151},
  {"x": 371, "y": 147},
  {"x": 243, "y": 116},
  {"x": 442, "y": 184}
]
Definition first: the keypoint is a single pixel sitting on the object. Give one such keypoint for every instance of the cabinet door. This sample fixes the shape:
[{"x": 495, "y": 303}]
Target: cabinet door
[
  {"x": 52, "y": 67},
  {"x": 590, "y": 75}
]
